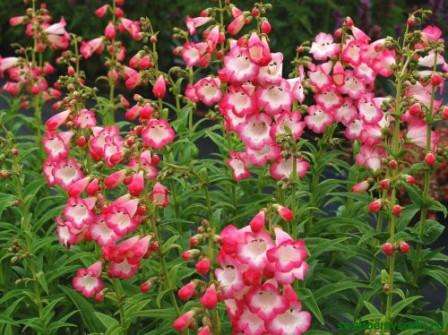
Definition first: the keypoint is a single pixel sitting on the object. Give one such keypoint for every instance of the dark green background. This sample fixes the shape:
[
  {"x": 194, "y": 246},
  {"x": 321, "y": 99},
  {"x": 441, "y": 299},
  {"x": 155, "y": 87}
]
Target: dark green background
[{"x": 293, "y": 21}]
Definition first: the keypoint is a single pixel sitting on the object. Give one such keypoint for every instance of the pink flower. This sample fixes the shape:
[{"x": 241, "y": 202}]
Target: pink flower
[
  {"x": 318, "y": 119},
  {"x": 101, "y": 11},
  {"x": 131, "y": 27},
  {"x": 80, "y": 211},
  {"x": 431, "y": 33},
  {"x": 288, "y": 123},
  {"x": 196, "y": 22},
  {"x": 239, "y": 101},
  {"x": 109, "y": 31},
  {"x": 85, "y": 119},
  {"x": 283, "y": 168},
  {"x": 57, "y": 120},
  {"x": 66, "y": 172},
  {"x": 292, "y": 321},
  {"x": 258, "y": 49},
  {"x": 287, "y": 254},
  {"x": 272, "y": 72},
  {"x": 203, "y": 266},
  {"x": 120, "y": 215},
  {"x": 238, "y": 67},
  {"x": 114, "y": 179},
  {"x": 100, "y": 232},
  {"x": 208, "y": 90},
  {"x": 323, "y": 47},
  {"x": 255, "y": 132},
  {"x": 370, "y": 156},
  {"x": 88, "y": 48},
  {"x": 275, "y": 99},
  {"x": 160, "y": 195},
  {"x": 157, "y": 134},
  {"x": 57, "y": 144},
  {"x": 8, "y": 63},
  {"x": 88, "y": 281},
  {"x": 17, "y": 20},
  {"x": 238, "y": 165}
]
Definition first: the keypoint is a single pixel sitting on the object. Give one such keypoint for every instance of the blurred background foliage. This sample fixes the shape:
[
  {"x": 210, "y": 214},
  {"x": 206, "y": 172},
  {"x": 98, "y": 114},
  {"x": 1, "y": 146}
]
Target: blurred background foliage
[{"x": 294, "y": 21}]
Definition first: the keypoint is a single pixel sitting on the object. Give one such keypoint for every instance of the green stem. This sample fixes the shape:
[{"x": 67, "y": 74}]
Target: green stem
[
  {"x": 120, "y": 301},
  {"x": 378, "y": 229},
  {"x": 427, "y": 174},
  {"x": 390, "y": 281},
  {"x": 37, "y": 106},
  {"x": 165, "y": 279},
  {"x": 395, "y": 152}
]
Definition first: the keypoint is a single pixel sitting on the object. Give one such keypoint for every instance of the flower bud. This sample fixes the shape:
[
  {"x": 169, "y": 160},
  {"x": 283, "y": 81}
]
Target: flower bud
[
  {"x": 396, "y": 210},
  {"x": 430, "y": 159},
  {"x": 159, "y": 89},
  {"x": 265, "y": 27},
  {"x": 146, "y": 285},
  {"x": 436, "y": 79},
  {"x": 184, "y": 321},
  {"x": 93, "y": 187},
  {"x": 187, "y": 291},
  {"x": 136, "y": 184},
  {"x": 81, "y": 141},
  {"x": 445, "y": 112},
  {"x": 387, "y": 248},
  {"x": 210, "y": 298},
  {"x": 404, "y": 247},
  {"x": 361, "y": 187},
  {"x": 385, "y": 184},
  {"x": 410, "y": 180},
  {"x": 375, "y": 206},
  {"x": 258, "y": 221},
  {"x": 284, "y": 212},
  {"x": 204, "y": 331},
  {"x": 203, "y": 266}
]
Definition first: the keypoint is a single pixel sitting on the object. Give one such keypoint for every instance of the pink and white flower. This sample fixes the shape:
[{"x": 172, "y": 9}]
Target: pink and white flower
[
  {"x": 323, "y": 47},
  {"x": 157, "y": 134},
  {"x": 88, "y": 281}
]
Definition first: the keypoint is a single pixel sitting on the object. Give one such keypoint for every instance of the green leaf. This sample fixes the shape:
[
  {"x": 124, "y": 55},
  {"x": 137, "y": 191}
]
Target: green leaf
[
  {"x": 160, "y": 313},
  {"x": 333, "y": 288},
  {"x": 85, "y": 309},
  {"x": 310, "y": 303},
  {"x": 107, "y": 320},
  {"x": 6, "y": 200},
  {"x": 432, "y": 231},
  {"x": 401, "y": 305}
]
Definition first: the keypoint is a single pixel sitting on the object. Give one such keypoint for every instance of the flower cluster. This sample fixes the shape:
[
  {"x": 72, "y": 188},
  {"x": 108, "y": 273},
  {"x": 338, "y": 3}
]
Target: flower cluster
[
  {"x": 342, "y": 78},
  {"x": 110, "y": 177},
  {"x": 28, "y": 72},
  {"x": 255, "y": 100},
  {"x": 254, "y": 278},
  {"x": 256, "y": 275}
]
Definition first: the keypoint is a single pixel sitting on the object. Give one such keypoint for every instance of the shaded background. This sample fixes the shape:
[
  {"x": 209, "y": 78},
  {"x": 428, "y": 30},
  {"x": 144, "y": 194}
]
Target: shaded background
[{"x": 293, "y": 21}]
